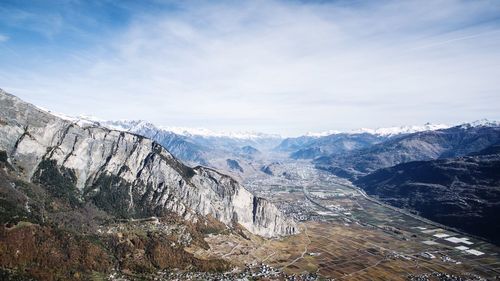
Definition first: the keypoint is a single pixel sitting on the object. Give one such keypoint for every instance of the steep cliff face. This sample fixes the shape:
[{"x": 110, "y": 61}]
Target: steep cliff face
[{"x": 126, "y": 174}]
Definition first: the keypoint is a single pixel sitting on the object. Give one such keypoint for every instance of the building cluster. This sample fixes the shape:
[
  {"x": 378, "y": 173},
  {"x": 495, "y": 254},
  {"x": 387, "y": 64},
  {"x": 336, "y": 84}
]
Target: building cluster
[
  {"x": 444, "y": 277},
  {"x": 249, "y": 273}
]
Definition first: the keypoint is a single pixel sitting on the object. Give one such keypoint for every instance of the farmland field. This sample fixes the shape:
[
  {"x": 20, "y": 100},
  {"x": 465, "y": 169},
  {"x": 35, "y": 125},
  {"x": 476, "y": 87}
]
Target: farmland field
[{"x": 348, "y": 236}]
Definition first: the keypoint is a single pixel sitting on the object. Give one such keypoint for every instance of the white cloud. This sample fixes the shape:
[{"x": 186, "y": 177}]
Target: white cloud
[
  {"x": 4, "y": 38},
  {"x": 286, "y": 67}
]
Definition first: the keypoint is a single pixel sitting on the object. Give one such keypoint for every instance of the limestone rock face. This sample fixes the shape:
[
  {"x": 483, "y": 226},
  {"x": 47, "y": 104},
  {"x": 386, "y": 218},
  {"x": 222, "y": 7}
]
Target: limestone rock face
[{"x": 127, "y": 174}]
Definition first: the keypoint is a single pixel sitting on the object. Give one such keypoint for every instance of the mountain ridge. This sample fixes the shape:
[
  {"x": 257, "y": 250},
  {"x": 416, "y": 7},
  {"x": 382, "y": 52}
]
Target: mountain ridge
[
  {"x": 462, "y": 192},
  {"x": 444, "y": 143},
  {"x": 127, "y": 168}
]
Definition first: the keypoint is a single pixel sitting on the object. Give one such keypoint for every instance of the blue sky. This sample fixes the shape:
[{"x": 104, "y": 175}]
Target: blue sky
[{"x": 274, "y": 66}]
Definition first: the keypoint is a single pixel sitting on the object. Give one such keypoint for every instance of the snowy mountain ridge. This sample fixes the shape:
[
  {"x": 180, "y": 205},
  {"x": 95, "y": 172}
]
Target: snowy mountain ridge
[
  {"x": 388, "y": 131},
  {"x": 392, "y": 131},
  {"x": 407, "y": 129},
  {"x": 186, "y": 131},
  {"x": 137, "y": 125},
  {"x": 482, "y": 123}
]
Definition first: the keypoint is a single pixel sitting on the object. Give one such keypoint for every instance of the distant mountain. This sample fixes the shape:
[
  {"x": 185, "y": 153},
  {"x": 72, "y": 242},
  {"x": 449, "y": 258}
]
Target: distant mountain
[
  {"x": 494, "y": 149},
  {"x": 262, "y": 142},
  {"x": 191, "y": 132},
  {"x": 452, "y": 142},
  {"x": 462, "y": 192},
  {"x": 200, "y": 136},
  {"x": 313, "y": 145},
  {"x": 482, "y": 123},
  {"x": 234, "y": 165},
  {"x": 250, "y": 150},
  {"x": 294, "y": 144},
  {"x": 387, "y": 132},
  {"x": 180, "y": 146},
  {"x": 336, "y": 144}
]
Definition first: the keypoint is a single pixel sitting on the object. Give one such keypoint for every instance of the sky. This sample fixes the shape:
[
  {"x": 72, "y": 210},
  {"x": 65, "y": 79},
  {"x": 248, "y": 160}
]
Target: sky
[{"x": 287, "y": 67}]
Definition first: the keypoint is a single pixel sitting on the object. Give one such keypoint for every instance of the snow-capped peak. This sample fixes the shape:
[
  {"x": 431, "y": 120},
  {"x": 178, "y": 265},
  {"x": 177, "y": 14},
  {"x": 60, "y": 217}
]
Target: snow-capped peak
[
  {"x": 482, "y": 123},
  {"x": 386, "y": 132},
  {"x": 392, "y": 131},
  {"x": 323, "y": 134},
  {"x": 129, "y": 125},
  {"x": 81, "y": 120},
  {"x": 202, "y": 132},
  {"x": 141, "y": 125}
]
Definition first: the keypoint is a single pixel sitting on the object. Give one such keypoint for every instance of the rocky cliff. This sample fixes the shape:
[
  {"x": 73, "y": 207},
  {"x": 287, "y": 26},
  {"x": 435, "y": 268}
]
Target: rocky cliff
[{"x": 126, "y": 174}]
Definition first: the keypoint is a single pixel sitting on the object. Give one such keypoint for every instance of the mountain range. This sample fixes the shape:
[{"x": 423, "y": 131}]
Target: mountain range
[
  {"x": 412, "y": 167},
  {"x": 448, "y": 174},
  {"x": 240, "y": 154},
  {"x": 85, "y": 196},
  {"x": 221, "y": 151},
  {"x": 427, "y": 145}
]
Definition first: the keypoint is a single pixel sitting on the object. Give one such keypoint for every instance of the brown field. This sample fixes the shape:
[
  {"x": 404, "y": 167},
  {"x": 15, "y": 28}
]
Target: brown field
[{"x": 352, "y": 252}]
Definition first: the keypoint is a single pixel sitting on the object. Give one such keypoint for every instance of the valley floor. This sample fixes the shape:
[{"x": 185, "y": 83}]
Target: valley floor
[{"x": 346, "y": 235}]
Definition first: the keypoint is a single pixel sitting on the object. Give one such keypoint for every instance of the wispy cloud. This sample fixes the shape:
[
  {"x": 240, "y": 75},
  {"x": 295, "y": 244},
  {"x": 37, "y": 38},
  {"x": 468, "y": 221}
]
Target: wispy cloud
[
  {"x": 282, "y": 66},
  {"x": 3, "y": 38}
]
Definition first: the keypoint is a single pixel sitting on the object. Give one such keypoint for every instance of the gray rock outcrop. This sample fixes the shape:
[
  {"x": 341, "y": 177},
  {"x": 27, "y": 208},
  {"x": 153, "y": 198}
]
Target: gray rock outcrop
[{"x": 128, "y": 174}]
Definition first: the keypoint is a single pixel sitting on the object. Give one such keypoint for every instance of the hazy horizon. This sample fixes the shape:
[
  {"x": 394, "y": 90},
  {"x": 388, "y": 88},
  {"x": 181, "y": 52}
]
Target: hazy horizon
[
  {"x": 206, "y": 131},
  {"x": 286, "y": 67}
]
